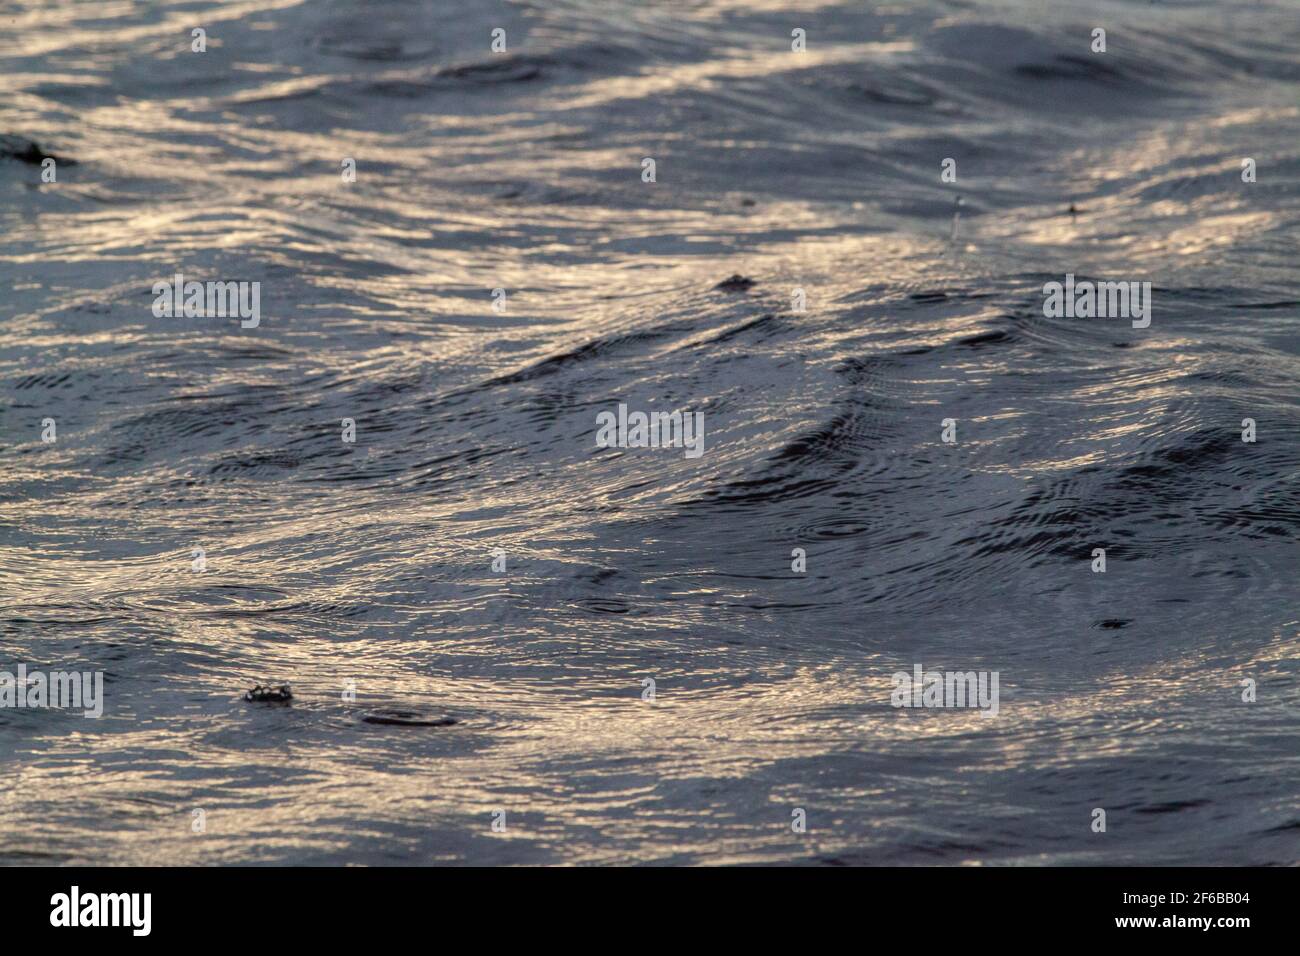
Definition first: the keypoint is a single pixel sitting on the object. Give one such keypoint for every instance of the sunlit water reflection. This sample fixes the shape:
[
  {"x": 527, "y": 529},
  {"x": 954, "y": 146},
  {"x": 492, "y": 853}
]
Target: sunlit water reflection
[{"x": 328, "y": 562}]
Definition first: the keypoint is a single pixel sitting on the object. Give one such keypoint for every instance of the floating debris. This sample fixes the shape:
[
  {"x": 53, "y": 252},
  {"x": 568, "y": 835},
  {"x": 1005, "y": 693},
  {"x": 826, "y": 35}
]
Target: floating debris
[
  {"x": 27, "y": 151},
  {"x": 269, "y": 694},
  {"x": 735, "y": 283},
  {"x": 407, "y": 718}
]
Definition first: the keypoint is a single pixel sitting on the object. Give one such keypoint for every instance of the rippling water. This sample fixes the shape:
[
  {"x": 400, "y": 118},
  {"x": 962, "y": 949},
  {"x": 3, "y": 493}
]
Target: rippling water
[{"x": 328, "y": 562}]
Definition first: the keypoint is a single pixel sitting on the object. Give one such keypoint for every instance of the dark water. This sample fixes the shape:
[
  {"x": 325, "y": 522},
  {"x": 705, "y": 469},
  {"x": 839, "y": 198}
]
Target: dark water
[{"x": 328, "y": 562}]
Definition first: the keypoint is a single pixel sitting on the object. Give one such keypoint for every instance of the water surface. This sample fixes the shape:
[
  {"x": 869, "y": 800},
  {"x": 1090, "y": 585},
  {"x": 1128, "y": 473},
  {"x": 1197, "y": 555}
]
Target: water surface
[{"x": 329, "y": 562}]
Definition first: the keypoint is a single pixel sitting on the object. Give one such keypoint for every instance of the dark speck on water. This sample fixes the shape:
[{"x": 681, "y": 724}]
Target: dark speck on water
[
  {"x": 27, "y": 151},
  {"x": 269, "y": 694},
  {"x": 735, "y": 283}
]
